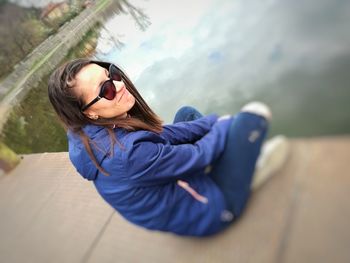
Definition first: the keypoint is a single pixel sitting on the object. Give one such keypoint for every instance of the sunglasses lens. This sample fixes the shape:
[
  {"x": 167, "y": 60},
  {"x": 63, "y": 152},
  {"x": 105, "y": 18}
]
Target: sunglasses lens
[
  {"x": 109, "y": 90},
  {"x": 114, "y": 73}
]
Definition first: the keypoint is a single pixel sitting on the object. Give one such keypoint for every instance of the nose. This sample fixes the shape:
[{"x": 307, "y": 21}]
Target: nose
[{"x": 119, "y": 85}]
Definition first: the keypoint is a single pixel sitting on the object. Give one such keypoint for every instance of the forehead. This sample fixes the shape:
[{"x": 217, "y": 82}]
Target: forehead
[
  {"x": 88, "y": 78},
  {"x": 89, "y": 72}
]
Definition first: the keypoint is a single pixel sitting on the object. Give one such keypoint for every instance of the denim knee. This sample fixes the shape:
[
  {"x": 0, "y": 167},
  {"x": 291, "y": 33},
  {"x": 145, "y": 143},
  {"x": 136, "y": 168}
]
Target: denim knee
[
  {"x": 187, "y": 113},
  {"x": 255, "y": 120}
]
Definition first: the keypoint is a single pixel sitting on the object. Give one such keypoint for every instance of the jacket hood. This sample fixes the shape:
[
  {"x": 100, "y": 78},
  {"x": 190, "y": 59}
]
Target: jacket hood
[{"x": 78, "y": 154}]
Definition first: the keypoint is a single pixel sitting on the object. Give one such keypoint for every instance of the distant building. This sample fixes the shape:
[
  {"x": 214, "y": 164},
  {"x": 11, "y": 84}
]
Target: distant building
[
  {"x": 88, "y": 3},
  {"x": 54, "y": 11}
]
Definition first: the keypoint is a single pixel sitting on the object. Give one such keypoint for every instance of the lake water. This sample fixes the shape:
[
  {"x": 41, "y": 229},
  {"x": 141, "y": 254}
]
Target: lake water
[{"x": 219, "y": 55}]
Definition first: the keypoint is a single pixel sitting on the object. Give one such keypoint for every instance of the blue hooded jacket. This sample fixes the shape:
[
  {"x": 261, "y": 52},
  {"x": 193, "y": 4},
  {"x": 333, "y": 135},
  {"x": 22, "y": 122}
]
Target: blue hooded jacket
[{"x": 159, "y": 181}]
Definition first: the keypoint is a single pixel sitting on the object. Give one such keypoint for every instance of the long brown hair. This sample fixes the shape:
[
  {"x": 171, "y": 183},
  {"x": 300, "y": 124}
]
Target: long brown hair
[{"x": 67, "y": 106}]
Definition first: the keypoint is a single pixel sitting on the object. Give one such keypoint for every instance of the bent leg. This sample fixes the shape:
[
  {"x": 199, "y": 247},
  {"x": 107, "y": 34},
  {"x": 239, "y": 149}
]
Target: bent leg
[
  {"x": 234, "y": 170},
  {"x": 187, "y": 113}
]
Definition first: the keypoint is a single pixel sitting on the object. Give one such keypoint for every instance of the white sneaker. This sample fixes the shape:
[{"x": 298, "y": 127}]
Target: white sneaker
[
  {"x": 258, "y": 108},
  {"x": 274, "y": 153}
]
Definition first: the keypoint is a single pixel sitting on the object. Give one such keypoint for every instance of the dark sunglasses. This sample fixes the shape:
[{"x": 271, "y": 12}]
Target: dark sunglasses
[{"x": 108, "y": 90}]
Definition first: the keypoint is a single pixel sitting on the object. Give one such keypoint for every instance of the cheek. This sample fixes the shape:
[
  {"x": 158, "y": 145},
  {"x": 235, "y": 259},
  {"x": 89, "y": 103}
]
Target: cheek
[
  {"x": 130, "y": 99},
  {"x": 125, "y": 98}
]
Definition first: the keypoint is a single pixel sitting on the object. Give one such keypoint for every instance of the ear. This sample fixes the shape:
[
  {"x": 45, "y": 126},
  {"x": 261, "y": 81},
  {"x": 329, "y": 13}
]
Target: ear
[
  {"x": 91, "y": 114},
  {"x": 92, "y": 117}
]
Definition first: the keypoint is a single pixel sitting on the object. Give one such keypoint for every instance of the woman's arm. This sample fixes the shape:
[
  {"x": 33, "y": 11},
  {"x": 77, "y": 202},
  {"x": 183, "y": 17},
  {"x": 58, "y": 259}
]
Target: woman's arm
[
  {"x": 152, "y": 160},
  {"x": 188, "y": 131}
]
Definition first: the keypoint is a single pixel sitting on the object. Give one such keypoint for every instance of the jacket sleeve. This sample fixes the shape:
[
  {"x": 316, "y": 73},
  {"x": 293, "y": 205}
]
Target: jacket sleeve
[
  {"x": 153, "y": 160},
  {"x": 188, "y": 131}
]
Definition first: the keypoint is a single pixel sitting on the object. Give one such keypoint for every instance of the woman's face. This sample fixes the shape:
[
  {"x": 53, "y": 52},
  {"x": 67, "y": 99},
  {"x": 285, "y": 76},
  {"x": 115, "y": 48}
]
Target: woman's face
[{"x": 88, "y": 85}]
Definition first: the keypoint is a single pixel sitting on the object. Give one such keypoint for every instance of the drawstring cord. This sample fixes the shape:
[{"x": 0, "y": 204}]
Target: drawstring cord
[{"x": 190, "y": 190}]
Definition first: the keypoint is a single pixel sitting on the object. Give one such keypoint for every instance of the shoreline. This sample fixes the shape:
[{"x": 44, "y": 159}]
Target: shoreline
[{"x": 45, "y": 57}]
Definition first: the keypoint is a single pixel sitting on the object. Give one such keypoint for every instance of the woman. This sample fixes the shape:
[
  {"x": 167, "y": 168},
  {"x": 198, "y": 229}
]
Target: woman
[{"x": 190, "y": 178}]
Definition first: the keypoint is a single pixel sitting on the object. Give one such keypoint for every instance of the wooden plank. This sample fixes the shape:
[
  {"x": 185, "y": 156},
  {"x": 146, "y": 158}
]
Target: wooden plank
[
  {"x": 320, "y": 229},
  {"x": 50, "y": 214}
]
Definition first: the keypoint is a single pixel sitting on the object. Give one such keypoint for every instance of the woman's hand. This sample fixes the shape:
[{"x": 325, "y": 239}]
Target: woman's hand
[{"x": 224, "y": 117}]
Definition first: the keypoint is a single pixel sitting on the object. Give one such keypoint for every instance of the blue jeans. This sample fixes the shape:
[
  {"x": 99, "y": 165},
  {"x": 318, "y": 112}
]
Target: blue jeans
[{"x": 233, "y": 171}]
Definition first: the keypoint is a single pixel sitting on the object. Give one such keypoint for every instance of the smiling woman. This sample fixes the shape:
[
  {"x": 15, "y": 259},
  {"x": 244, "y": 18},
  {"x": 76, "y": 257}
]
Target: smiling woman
[
  {"x": 75, "y": 85},
  {"x": 190, "y": 178},
  {"x": 87, "y": 87},
  {"x": 94, "y": 90}
]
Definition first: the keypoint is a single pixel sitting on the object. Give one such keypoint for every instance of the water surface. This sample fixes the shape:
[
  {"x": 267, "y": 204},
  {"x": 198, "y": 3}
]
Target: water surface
[{"x": 219, "y": 55}]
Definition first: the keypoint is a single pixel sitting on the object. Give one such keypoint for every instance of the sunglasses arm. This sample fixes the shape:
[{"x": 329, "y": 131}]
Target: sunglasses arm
[{"x": 92, "y": 102}]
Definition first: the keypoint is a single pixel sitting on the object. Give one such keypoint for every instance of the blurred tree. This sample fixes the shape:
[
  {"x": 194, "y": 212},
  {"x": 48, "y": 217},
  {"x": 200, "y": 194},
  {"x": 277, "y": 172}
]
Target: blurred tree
[
  {"x": 20, "y": 33},
  {"x": 75, "y": 5},
  {"x": 141, "y": 19}
]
